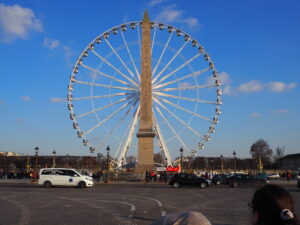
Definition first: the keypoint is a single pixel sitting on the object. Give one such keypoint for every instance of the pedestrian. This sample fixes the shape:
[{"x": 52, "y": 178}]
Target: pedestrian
[
  {"x": 147, "y": 176},
  {"x": 99, "y": 175},
  {"x": 272, "y": 205},
  {"x": 287, "y": 176},
  {"x": 183, "y": 218}
]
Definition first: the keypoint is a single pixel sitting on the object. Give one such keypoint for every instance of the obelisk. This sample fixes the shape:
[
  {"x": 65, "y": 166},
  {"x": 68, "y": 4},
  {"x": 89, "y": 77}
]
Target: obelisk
[{"x": 145, "y": 133}]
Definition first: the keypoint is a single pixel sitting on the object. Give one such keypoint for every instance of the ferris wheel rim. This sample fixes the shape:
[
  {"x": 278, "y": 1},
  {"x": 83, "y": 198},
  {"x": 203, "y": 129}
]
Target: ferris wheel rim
[{"x": 109, "y": 31}]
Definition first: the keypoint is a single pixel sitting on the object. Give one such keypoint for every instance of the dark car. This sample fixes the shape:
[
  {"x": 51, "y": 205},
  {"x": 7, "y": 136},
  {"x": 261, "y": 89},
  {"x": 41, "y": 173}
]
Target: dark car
[
  {"x": 220, "y": 179},
  {"x": 238, "y": 180},
  {"x": 187, "y": 179}
]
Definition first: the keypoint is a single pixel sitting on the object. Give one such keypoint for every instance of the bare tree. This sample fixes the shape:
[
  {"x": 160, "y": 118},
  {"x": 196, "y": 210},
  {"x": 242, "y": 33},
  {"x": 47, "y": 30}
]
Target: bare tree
[
  {"x": 261, "y": 149},
  {"x": 279, "y": 153}
]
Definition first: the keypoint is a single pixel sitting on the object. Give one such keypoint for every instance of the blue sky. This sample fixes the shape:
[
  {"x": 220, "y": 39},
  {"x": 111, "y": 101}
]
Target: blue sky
[{"x": 254, "y": 44}]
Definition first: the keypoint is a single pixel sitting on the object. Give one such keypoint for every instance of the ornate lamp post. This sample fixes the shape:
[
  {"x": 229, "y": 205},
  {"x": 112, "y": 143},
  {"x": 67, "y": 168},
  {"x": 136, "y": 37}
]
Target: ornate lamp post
[
  {"x": 53, "y": 159},
  {"x": 68, "y": 160},
  {"x": 234, "y": 157},
  {"x": 181, "y": 157},
  {"x": 122, "y": 164},
  {"x": 36, "y": 158},
  {"x": 27, "y": 164},
  {"x": 107, "y": 163},
  {"x": 166, "y": 162},
  {"x": 253, "y": 158},
  {"x": 222, "y": 166}
]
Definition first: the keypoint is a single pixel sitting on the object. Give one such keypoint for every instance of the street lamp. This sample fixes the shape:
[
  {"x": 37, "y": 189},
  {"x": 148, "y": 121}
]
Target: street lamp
[
  {"x": 181, "y": 162},
  {"x": 253, "y": 158},
  {"x": 234, "y": 156},
  {"x": 166, "y": 162},
  {"x": 122, "y": 164},
  {"x": 68, "y": 160},
  {"x": 107, "y": 163},
  {"x": 53, "y": 159},
  {"x": 36, "y": 157},
  {"x": 221, "y": 159}
]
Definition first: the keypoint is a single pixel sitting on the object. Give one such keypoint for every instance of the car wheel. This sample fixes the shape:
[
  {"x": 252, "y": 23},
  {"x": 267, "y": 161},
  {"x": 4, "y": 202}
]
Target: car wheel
[
  {"x": 203, "y": 185},
  {"x": 218, "y": 183},
  {"x": 81, "y": 184},
  {"x": 234, "y": 184},
  {"x": 176, "y": 185},
  {"x": 47, "y": 184}
]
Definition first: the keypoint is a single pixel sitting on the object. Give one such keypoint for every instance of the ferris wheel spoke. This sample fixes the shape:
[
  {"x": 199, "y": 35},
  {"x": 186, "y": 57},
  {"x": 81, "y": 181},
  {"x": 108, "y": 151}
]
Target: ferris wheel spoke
[
  {"x": 110, "y": 77},
  {"x": 162, "y": 54},
  {"x": 121, "y": 60},
  {"x": 188, "y": 88},
  {"x": 180, "y": 120},
  {"x": 184, "y": 98},
  {"x": 139, "y": 38},
  {"x": 171, "y": 128},
  {"x": 119, "y": 122},
  {"x": 100, "y": 96},
  {"x": 112, "y": 66},
  {"x": 161, "y": 139},
  {"x": 103, "y": 85},
  {"x": 178, "y": 68},
  {"x": 167, "y": 65},
  {"x": 186, "y": 110},
  {"x": 131, "y": 58},
  {"x": 131, "y": 128},
  {"x": 107, "y": 118},
  {"x": 197, "y": 73},
  {"x": 153, "y": 39},
  {"x": 101, "y": 108}
]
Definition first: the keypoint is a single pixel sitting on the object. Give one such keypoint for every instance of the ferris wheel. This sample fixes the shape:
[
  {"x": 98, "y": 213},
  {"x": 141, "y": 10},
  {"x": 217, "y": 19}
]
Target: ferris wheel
[{"x": 104, "y": 91}]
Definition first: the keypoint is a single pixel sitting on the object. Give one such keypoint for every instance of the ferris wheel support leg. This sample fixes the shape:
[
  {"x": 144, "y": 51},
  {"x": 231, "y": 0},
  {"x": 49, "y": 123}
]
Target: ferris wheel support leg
[
  {"x": 129, "y": 139},
  {"x": 162, "y": 142}
]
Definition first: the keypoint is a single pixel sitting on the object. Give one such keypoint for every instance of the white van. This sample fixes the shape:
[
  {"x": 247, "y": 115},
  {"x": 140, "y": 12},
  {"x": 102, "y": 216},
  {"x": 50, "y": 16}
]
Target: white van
[{"x": 64, "y": 177}]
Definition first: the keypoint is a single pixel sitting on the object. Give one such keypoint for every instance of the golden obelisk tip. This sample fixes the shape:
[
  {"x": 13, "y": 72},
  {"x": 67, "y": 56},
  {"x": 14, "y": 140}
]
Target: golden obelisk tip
[{"x": 146, "y": 16}]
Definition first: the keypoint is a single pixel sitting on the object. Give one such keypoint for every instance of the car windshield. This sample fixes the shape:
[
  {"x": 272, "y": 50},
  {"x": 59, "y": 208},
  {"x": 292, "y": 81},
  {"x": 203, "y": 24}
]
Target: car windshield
[{"x": 77, "y": 171}]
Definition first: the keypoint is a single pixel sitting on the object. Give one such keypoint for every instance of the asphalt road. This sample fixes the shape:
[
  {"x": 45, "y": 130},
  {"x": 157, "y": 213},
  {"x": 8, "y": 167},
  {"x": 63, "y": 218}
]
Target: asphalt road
[{"x": 120, "y": 204}]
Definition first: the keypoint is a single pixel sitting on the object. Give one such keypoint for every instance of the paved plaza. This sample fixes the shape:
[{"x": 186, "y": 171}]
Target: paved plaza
[{"x": 118, "y": 204}]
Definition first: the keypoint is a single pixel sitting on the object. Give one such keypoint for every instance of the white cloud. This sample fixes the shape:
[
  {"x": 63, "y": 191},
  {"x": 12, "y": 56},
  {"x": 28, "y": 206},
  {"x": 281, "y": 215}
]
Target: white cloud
[
  {"x": 57, "y": 100},
  {"x": 251, "y": 86},
  {"x": 227, "y": 90},
  {"x": 19, "y": 120},
  {"x": 255, "y": 115},
  {"x": 280, "y": 86},
  {"x": 26, "y": 98},
  {"x": 52, "y": 44},
  {"x": 171, "y": 14},
  {"x": 279, "y": 111},
  {"x": 16, "y": 22},
  {"x": 224, "y": 77},
  {"x": 155, "y": 2}
]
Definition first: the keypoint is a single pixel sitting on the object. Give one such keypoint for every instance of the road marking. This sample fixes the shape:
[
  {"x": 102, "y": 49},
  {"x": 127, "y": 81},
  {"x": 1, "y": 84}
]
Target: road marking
[
  {"x": 24, "y": 218},
  {"x": 160, "y": 205}
]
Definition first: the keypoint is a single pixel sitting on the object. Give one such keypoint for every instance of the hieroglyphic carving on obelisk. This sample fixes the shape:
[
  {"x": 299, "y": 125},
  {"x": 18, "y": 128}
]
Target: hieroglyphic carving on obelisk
[{"x": 145, "y": 133}]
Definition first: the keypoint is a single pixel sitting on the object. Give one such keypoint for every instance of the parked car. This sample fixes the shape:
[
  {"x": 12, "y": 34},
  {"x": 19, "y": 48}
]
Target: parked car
[
  {"x": 273, "y": 176},
  {"x": 298, "y": 178},
  {"x": 188, "y": 179},
  {"x": 246, "y": 180},
  {"x": 63, "y": 177},
  {"x": 220, "y": 179}
]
